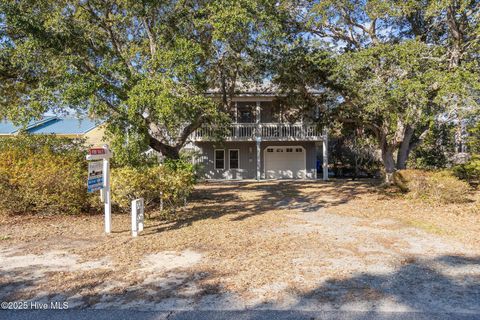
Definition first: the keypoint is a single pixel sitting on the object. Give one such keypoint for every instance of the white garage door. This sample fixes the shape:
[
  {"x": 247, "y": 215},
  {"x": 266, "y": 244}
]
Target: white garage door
[{"x": 285, "y": 162}]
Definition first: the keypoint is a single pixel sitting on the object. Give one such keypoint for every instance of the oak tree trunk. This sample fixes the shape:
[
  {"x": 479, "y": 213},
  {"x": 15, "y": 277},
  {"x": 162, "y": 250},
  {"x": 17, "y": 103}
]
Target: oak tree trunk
[
  {"x": 389, "y": 163},
  {"x": 170, "y": 152},
  {"x": 404, "y": 150}
]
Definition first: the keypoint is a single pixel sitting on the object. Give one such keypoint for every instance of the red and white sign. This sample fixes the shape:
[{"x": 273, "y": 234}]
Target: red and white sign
[
  {"x": 98, "y": 153},
  {"x": 95, "y": 151}
]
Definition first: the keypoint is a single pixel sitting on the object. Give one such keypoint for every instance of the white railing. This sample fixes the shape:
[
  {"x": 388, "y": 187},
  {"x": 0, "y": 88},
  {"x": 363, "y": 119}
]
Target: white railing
[{"x": 267, "y": 131}]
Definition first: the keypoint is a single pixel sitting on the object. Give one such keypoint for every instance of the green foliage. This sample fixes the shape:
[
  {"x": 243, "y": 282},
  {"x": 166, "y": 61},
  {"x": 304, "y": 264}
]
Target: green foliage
[
  {"x": 469, "y": 171},
  {"x": 144, "y": 66},
  {"x": 436, "y": 149},
  {"x": 172, "y": 182},
  {"x": 433, "y": 186},
  {"x": 474, "y": 138},
  {"x": 352, "y": 153},
  {"x": 42, "y": 175}
]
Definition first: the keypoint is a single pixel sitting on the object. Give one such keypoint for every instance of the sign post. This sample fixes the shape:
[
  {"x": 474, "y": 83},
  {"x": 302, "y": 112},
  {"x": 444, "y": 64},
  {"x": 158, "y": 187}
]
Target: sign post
[
  {"x": 137, "y": 216},
  {"x": 99, "y": 179}
]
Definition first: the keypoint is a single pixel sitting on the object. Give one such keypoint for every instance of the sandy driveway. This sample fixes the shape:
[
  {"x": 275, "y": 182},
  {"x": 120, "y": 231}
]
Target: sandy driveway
[{"x": 289, "y": 245}]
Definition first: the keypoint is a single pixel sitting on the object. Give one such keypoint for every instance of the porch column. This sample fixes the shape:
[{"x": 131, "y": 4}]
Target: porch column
[
  {"x": 257, "y": 113},
  {"x": 236, "y": 112},
  {"x": 259, "y": 162},
  {"x": 325, "y": 155},
  {"x": 258, "y": 138}
]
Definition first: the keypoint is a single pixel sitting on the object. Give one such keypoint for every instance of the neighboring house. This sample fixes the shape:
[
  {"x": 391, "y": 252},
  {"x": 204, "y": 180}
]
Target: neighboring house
[
  {"x": 90, "y": 130},
  {"x": 262, "y": 144}
]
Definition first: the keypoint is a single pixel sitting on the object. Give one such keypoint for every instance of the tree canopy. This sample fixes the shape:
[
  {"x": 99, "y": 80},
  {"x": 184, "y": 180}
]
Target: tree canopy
[
  {"x": 389, "y": 67},
  {"x": 142, "y": 65},
  {"x": 393, "y": 67}
]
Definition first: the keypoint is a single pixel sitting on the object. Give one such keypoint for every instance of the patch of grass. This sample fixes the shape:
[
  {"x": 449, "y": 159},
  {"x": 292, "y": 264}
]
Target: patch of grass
[
  {"x": 5, "y": 237},
  {"x": 427, "y": 226}
]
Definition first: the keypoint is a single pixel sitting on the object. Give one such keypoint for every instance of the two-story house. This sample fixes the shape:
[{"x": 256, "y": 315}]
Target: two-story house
[{"x": 263, "y": 144}]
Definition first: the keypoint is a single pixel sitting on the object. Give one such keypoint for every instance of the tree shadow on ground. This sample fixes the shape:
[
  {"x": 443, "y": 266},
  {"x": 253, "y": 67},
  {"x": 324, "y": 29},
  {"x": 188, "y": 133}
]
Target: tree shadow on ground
[
  {"x": 441, "y": 285},
  {"x": 444, "y": 284},
  {"x": 244, "y": 199}
]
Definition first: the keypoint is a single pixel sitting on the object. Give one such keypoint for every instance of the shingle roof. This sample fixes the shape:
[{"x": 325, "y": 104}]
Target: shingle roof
[{"x": 52, "y": 125}]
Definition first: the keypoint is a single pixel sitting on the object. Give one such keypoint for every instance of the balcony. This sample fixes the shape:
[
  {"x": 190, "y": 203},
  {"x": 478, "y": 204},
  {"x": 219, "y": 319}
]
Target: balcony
[{"x": 265, "y": 131}]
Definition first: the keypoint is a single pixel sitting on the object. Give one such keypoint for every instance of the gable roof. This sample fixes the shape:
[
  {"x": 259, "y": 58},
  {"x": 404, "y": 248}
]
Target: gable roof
[{"x": 52, "y": 125}]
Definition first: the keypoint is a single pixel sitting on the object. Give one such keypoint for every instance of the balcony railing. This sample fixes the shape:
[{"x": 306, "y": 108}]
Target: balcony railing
[{"x": 266, "y": 131}]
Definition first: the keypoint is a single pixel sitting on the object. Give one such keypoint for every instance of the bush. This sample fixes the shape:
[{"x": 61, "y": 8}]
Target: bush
[
  {"x": 172, "y": 182},
  {"x": 44, "y": 175},
  {"x": 469, "y": 171},
  {"x": 432, "y": 186}
]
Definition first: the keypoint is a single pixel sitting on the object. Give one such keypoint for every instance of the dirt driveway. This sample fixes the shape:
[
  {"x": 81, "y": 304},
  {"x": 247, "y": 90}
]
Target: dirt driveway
[{"x": 274, "y": 245}]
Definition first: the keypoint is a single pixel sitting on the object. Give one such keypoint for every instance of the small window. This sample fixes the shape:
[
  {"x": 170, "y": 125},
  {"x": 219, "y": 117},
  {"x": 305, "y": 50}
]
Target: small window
[
  {"x": 279, "y": 150},
  {"x": 219, "y": 159},
  {"x": 233, "y": 158},
  {"x": 298, "y": 150},
  {"x": 289, "y": 150},
  {"x": 270, "y": 150}
]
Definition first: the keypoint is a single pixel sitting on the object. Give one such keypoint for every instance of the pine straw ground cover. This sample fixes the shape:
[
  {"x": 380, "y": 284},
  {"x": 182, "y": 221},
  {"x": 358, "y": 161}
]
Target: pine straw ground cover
[{"x": 255, "y": 239}]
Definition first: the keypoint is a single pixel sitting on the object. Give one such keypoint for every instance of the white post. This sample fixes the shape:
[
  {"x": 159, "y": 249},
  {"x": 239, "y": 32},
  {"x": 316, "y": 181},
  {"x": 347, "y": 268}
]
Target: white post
[
  {"x": 106, "y": 193},
  {"x": 259, "y": 162},
  {"x": 134, "y": 219},
  {"x": 257, "y": 113},
  {"x": 161, "y": 200},
  {"x": 325, "y": 155},
  {"x": 258, "y": 135},
  {"x": 236, "y": 112},
  {"x": 138, "y": 212}
]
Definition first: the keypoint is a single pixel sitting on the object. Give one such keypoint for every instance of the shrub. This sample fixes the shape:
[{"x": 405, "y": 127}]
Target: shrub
[
  {"x": 172, "y": 182},
  {"x": 130, "y": 183},
  {"x": 469, "y": 171},
  {"x": 42, "y": 175},
  {"x": 432, "y": 186}
]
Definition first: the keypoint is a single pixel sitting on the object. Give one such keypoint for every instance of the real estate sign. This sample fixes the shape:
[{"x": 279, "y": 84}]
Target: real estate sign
[
  {"x": 99, "y": 179},
  {"x": 95, "y": 176}
]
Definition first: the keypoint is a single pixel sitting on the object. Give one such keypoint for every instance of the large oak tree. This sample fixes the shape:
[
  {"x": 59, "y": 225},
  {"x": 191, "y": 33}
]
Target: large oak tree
[
  {"x": 144, "y": 66},
  {"x": 391, "y": 67}
]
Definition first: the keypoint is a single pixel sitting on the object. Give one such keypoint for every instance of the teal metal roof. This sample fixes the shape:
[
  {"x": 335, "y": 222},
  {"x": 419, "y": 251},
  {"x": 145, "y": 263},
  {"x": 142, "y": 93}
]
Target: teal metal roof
[
  {"x": 7, "y": 127},
  {"x": 52, "y": 125},
  {"x": 65, "y": 126}
]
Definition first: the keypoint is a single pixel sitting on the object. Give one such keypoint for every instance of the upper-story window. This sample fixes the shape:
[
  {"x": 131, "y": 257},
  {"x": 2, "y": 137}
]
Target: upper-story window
[
  {"x": 246, "y": 112},
  {"x": 270, "y": 111}
]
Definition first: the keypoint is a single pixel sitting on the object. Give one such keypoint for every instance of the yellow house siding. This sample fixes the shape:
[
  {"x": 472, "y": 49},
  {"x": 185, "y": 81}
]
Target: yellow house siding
[{"x": 95, "y": 136}]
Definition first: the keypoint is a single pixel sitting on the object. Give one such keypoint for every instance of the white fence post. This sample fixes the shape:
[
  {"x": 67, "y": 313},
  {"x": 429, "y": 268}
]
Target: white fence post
[
  {"x": 137, "y": 216},
  {"x": 161, "y": 200}
]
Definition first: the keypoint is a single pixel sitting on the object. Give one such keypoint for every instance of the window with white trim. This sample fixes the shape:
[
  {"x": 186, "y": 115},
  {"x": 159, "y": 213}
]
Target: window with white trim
[
  {"x": 299, "y": 150},
  {"x": 289, "y": 150},
  {"x": 219, "y": 159},
  {"x": 234, "y": 158}
]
